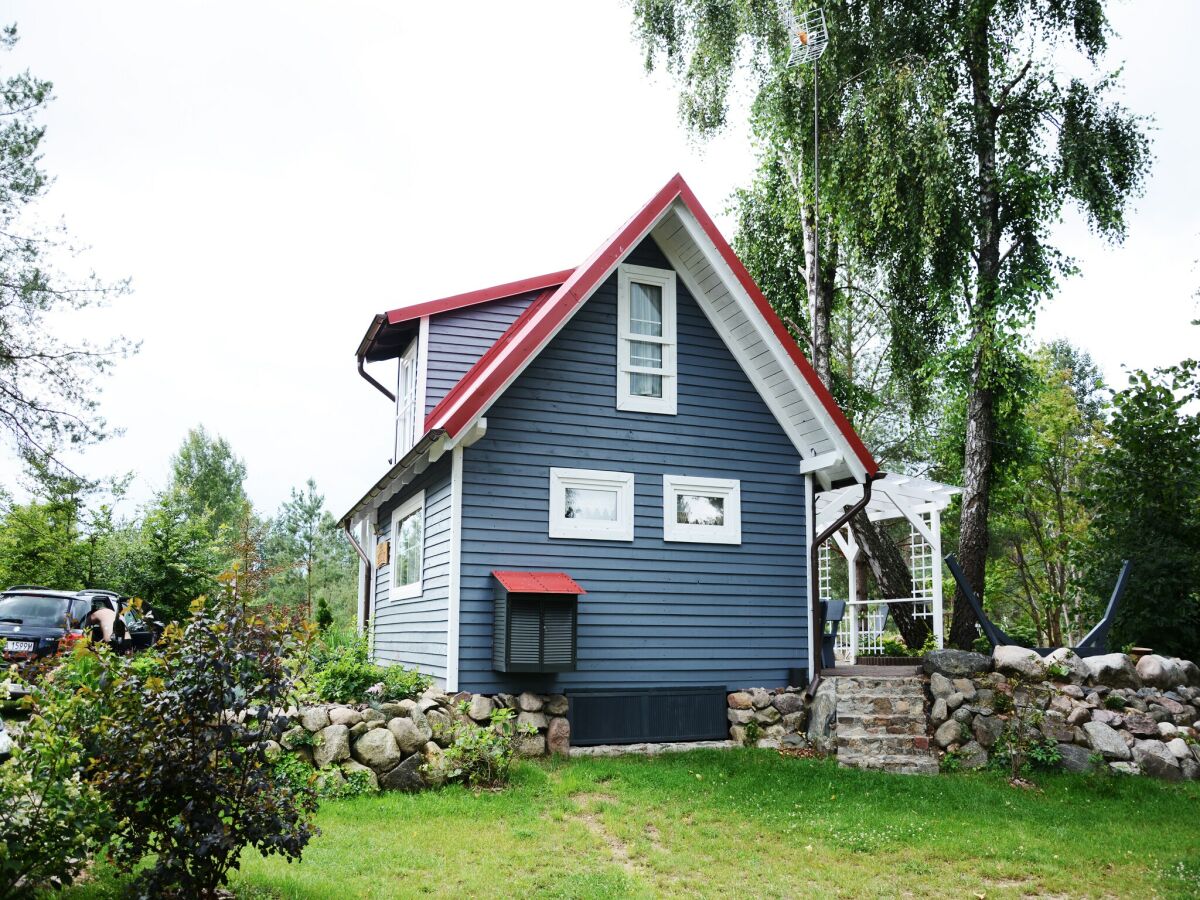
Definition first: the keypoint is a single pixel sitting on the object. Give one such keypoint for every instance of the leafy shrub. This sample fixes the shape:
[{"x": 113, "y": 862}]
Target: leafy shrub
[
  {"x": 893, "y": 647},
  {"x": 1058, "y": 671},
  {"x": 982, "y": 645},
  {"x": 753, "y": 734},
  {"x": 1021, "y": 745},
  {"x": 324, "y": 615},
  {"x": 51, "y": 818},
  {"x": 483, "y": 757},
  {"x": 299, "y": 775},
  {"x": 182, "y": 751},
  {"x": 1002, "y": 702},
  {"x": 346, "y": 674}
]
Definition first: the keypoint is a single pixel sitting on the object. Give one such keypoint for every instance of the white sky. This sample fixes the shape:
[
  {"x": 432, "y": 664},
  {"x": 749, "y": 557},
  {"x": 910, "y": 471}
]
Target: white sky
[{"x": 271, "y": 174}]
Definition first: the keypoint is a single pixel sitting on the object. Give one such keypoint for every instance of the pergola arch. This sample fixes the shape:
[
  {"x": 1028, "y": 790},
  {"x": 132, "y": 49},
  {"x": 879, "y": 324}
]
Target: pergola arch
[{"x": 920, "y": 502}]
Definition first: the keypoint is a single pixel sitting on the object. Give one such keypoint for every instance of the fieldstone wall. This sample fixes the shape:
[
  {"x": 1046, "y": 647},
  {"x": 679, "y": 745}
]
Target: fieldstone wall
[
  {"x": 1137, "y": 719},
  {"x": 399, "y": 744},
  {"x": 776, "y": 717}
]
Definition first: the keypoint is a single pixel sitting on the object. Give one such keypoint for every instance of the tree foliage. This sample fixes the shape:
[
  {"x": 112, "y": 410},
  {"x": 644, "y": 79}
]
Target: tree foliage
[
  {"x": 1041, "y": 526},
  {"x": 1144, "y": 494},
  {"x": 209, "y": 480},
  {"x": 47, "y": 383}
]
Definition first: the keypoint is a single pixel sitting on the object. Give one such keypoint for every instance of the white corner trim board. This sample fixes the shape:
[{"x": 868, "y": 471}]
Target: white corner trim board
[
  {"x": 414, "y": 506},
  {"x": 454, "y": 599},
  {"x": 591, "y": 504},
  {"x": 702, "y": 510}
]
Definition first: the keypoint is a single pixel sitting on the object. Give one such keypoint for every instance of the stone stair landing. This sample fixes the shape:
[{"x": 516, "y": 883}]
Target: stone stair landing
[{"x": 882, "y": 724}]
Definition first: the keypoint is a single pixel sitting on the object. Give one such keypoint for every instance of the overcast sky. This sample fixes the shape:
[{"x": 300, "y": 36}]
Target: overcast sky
[{"x": 271, "y": 174}]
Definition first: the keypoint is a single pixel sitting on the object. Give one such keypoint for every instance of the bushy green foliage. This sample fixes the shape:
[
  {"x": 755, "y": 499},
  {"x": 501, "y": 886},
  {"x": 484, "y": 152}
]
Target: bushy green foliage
[
  {"x": 180, "y": 749},
  {"x": 300, "y": 776},
  {"x": 345, "y": 674},
  {"x": 1114, "y": 702},
  {"x": 1144, "y": 493},
  {"x": 483, "y": 757},
  {"x": 324, "y": 617},
  {"x": 51, "y": 818}
]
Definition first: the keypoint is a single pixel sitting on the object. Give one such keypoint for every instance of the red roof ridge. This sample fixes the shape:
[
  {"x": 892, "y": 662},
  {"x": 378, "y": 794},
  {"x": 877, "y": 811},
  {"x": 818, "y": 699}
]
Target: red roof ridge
[{"x": 472, "y": 298}]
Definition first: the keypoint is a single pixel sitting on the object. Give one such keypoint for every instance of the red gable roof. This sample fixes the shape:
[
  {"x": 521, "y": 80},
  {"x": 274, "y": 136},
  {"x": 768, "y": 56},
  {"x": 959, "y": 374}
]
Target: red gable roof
[
  {"x": 471, "y": 298},
  {"x": 538, "y": 583},
  {"x": 490, "y": 374}
]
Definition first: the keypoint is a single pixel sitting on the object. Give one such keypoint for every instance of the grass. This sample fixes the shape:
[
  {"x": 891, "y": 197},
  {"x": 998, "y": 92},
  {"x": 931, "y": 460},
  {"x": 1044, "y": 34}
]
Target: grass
[{"x": 745, "y": 823}]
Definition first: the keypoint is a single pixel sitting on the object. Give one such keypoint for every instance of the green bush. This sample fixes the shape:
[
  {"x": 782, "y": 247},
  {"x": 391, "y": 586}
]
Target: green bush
[
  {"x": 345, "y": 674},
  {"x": 324, "y": 615},
  {"x": 181, "y": 750},
  {"x": 51, "y": 818},
  {"x": 894, "y": 647},
  {"x": 299, "y": 775},
  {"x": 1114, "y": 702},
  {"x": 483, "y": 757}
]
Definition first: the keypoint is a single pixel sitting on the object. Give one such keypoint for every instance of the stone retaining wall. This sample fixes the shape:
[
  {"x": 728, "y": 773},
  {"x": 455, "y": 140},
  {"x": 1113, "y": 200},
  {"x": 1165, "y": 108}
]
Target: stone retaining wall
[
  {"x": 780, "y": 715},
  {"x": 399, "y": 744},
  {"x": 1137, "y": 719}
]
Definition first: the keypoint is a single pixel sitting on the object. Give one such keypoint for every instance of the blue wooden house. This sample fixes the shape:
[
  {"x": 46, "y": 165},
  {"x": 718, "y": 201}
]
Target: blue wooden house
[{"x": 604, "y": 482}]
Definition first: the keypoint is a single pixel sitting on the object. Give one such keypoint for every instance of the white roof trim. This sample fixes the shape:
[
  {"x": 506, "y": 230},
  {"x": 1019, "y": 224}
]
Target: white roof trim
[{"x": 894, "y": 496}]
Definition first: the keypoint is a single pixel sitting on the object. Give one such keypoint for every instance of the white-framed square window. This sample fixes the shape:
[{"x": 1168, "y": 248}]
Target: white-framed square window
[
  {"x": 586, "y": 503},
  {"x": 702, "y": 510},
  {"x": 646, "y": 371},
  {"x": 408, "y": 548}
]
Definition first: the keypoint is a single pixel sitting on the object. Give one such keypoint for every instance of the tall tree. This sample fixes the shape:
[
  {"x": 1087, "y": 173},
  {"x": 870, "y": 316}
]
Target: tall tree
[
  {"x": 209, "y": 479},
  {"x": 955, "y": 147},
  {"x": 47, "y": 384},
  {"x": 298, "y": 531}
]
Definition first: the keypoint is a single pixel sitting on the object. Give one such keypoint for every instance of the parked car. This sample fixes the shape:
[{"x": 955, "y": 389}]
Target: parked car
[{"x": 34, "y": 621}]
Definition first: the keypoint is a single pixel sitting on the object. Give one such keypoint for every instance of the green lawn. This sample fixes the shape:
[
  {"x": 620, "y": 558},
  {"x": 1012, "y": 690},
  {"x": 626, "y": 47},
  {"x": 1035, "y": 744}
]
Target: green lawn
[{"x": 746, "y": 823}]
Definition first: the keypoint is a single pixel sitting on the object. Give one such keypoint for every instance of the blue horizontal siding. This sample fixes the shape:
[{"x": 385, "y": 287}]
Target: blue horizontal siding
[
  {"x": 413, "y": 632},
  {"x": 656, "y": 613},
  {"x": 458, "y": 338}
]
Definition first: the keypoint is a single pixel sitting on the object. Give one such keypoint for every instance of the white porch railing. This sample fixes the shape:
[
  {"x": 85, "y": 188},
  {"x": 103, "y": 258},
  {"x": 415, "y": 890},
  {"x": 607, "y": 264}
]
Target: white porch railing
[{"x": 866, "y": 625}]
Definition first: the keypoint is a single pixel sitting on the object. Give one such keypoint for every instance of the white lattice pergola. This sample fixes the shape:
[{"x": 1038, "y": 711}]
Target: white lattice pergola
[{"x": 920, "y": 502}]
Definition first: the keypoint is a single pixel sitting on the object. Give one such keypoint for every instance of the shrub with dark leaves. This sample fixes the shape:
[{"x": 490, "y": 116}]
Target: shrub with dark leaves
[{"x": 183, "y": 750}]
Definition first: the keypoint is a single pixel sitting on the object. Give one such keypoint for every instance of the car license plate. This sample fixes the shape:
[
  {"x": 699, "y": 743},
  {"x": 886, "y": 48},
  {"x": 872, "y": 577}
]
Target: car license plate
[{"x": 12, "y": 646}]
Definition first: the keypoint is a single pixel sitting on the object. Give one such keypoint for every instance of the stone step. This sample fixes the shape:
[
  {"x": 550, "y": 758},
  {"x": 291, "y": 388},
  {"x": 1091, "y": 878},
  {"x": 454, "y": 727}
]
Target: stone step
[
  {"x": 882, "y": 745},
  {"x": 884, "y": 706},
  {"x": 871, "y": 724},
  {"x": 902, "y": 764}
]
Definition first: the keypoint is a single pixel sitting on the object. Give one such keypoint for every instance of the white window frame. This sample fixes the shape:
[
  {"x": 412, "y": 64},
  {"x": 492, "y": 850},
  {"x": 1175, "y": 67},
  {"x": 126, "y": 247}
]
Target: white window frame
[
  {"x": 408, "y": 399},
  {"x": 729, "y": 489},
  {"x": 562, "y": 527},
  {"x": 414, "y": 504},
  {"x": 666, "y": 404}
]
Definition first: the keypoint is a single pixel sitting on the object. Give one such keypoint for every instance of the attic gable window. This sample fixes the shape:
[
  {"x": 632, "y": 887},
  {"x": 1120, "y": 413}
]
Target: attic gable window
[{"x": 646, "y": 373}]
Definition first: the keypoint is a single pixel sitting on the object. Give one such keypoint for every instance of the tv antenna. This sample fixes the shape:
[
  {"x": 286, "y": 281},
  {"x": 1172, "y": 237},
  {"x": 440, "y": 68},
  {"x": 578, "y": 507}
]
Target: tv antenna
[{"x": 809, "y": 37}]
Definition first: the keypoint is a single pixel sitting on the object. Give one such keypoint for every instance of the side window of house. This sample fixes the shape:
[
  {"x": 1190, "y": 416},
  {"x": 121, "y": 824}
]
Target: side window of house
[
  {"x": 646, "y": 368},
  {"x": 586, "y": 503},
  {"x": 408, "y": 547},
  {"x": 702, "y": 510},
  {"x": 407, "y": 411}
]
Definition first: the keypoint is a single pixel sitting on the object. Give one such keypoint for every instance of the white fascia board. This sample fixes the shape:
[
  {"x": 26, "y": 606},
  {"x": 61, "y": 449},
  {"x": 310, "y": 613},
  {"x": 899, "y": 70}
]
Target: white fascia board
[
  {"x": 810, "y": 577},
  {"x": 537, "y": 318},
  {"x": 767, "y": 335}
]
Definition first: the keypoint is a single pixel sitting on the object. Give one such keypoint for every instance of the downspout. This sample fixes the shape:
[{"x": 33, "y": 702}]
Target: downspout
[
  {"x": 368, "y": 585},
  {"x": 814, "y": 564},
  {"x": 363, "y": 372}
]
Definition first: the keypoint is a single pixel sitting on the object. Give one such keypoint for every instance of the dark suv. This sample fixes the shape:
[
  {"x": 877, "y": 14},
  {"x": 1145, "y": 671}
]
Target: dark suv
[{"x": 34, "y": 620}]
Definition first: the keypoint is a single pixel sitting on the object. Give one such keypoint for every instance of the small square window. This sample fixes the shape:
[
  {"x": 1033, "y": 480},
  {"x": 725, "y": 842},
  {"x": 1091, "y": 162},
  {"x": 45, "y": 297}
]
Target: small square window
[
  {"x": 702, "y": 510},
  {"x": 408, "y": 548},
  {"x": 585, "y": 503}
]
